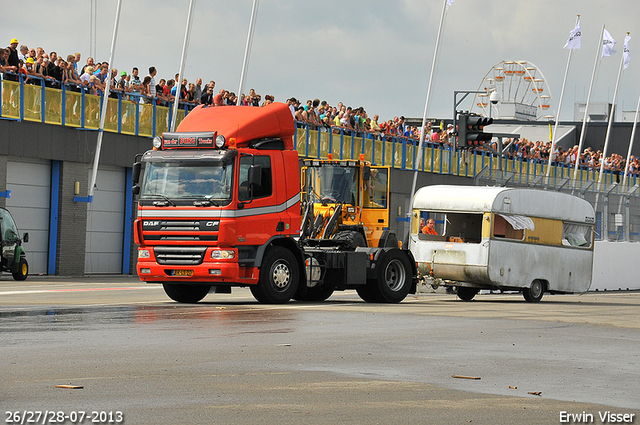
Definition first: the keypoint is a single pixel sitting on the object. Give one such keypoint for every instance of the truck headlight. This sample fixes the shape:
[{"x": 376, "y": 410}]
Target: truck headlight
[
  {"x": 222, "y": 254},
  {"x": 220, "y": 141},
  {"x": 157, "y": 142},
  {"x": 143, "y": 253}
]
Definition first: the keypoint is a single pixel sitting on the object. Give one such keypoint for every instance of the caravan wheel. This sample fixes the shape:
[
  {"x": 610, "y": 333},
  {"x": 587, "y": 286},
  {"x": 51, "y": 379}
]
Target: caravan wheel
[{"x": 535, "y": 292}]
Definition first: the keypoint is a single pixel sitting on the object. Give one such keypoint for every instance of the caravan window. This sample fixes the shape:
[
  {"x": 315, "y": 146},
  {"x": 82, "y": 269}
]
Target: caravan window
[
  {"x": 577, "y": 235},
  {"x": 463, "y": 227},
  {"x": 511, "y": 226}
]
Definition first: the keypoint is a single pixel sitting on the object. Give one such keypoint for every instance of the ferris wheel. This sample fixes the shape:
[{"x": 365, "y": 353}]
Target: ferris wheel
[{"x": 514, "y": 90}]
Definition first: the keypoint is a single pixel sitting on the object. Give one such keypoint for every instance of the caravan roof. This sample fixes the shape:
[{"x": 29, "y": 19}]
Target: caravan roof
[{"x": 505, "y": 200}]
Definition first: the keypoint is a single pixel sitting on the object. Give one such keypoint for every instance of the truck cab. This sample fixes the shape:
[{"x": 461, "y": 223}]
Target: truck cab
[{"x": 219, "y": 205}]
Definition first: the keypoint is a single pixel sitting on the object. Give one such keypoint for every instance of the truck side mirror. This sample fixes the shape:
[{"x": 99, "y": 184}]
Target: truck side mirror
[
  {"x": 135, "y": 175},
  {"x": 25, "y": 237},
  {"x": 135, "y": 190}
]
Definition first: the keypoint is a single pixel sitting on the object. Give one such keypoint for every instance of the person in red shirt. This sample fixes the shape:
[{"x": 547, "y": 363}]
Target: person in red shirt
[{"x": 428, "y": 229}]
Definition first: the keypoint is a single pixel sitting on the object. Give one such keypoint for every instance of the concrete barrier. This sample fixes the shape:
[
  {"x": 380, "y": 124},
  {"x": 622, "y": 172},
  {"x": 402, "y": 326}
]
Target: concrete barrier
[{"x": 615, "y": 266}]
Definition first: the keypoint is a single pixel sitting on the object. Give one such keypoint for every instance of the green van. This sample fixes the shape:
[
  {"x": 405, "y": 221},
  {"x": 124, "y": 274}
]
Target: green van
[{"x": 14, "y": 259}]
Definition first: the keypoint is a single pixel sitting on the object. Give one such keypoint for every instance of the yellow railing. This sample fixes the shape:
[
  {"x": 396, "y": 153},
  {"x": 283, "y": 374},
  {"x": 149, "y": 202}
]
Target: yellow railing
[{"x": 30, "y": 102}]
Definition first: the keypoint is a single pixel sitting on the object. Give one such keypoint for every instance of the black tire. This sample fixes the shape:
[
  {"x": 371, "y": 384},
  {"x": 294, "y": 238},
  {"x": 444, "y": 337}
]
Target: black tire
[
  {"x": 279, "y": 277},
  {"x": 393, "y": 281},
  {"x": 466, "y": 294},
  {"x": 317, "y": 293},
  {"x": 23, "y": 270},
  {"x": 186, "y": 292},
  {"x": 353, "y": 238},
  {"x": 388, "y": 239},
  {"x": 367, "y": 295},
  {"x": 534, "y": 293}
]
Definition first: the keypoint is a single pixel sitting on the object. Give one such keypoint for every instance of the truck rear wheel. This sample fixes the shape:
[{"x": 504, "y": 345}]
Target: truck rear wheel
[
  {"x": 23, "y": 270},
  {"x": 186, "y": 293},
  {"x": 279, "y": 277},
  {"x": 393, "y": 278},
  {"x": 534, "y": 293},
  {"x": 316, "y": 293}
]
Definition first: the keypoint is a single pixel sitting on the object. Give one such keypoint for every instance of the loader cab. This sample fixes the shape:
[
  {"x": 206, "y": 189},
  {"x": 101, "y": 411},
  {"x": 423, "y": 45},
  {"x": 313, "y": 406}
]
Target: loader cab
[{"x": 347, "y": 194}]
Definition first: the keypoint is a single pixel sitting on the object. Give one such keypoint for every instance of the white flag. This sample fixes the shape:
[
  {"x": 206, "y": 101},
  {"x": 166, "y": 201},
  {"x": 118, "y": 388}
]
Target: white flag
[
  {"x": 574, "y": 38},
  {"x": 626, "y": 52},
  {"x": 449, "y": 3},
  {"x": 607, "y": 44}
]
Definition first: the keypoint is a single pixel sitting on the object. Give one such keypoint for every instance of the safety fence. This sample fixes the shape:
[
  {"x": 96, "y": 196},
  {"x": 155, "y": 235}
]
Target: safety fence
[{"x": 72, "y": 105}]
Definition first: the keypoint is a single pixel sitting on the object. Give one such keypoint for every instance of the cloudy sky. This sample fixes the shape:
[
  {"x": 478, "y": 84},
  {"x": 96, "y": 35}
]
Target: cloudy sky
[{"x": 371, "y": 53}]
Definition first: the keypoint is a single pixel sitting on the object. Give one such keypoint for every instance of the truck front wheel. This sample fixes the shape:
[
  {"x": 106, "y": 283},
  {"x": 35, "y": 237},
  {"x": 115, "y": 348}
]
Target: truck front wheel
[
  {"x": 279, "y": 277},
  {"x": 186, "y": 293}
]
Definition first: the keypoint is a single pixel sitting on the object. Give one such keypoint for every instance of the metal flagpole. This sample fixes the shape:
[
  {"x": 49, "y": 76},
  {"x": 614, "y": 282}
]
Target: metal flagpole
[
  {"x": 613, "y": 112},
  {"x": 183, "y": 59},
  {"x": 633, "y": 134},
  {"x": 105, "y": 102},
  {"x": 247, "y": 50},
  {"x": 555, "y": 127},
  {"x": 586, "y": 109},
  {"x": 424, "y": 116}
]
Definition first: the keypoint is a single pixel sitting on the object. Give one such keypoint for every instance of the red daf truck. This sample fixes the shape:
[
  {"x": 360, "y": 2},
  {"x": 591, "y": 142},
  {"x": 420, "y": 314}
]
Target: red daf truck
[{"x": 220, "y": 205}]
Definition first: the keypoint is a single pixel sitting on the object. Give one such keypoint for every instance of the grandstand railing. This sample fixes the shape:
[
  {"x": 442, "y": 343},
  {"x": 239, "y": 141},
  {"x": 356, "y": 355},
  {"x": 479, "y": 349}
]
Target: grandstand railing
[{"x": 73, "y": 105}]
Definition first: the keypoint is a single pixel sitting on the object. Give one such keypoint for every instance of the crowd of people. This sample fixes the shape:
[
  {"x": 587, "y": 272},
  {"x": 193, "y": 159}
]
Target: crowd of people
[{"x": 36, "y": 66}]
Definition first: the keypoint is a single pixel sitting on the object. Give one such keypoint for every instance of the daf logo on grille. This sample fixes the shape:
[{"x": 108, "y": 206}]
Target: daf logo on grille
[
  {"x": 211, "y": 223},
  {"x": 150, "y": 223}
]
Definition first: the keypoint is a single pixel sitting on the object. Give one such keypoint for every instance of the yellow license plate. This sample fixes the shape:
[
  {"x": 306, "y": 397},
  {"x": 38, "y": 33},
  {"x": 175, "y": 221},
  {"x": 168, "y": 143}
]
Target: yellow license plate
[{"x": 182, "y": 272}]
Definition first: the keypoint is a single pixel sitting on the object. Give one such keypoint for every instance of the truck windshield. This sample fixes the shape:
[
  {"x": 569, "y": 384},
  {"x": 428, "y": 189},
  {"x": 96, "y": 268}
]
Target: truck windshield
[
  {"x": 187, "y": 180},
  {"x": 332, "y": 183}
]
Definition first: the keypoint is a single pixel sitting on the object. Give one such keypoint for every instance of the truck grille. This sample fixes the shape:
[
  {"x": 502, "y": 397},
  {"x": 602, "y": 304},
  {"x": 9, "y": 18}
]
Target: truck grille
[
  {"x": 179, "y": 230},
  {"x": 179, "y": 256}
]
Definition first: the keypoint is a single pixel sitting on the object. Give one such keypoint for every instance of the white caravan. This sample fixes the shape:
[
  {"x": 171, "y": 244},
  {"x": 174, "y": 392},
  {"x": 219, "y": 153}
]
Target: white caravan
[{"x": 527, "y": 240}]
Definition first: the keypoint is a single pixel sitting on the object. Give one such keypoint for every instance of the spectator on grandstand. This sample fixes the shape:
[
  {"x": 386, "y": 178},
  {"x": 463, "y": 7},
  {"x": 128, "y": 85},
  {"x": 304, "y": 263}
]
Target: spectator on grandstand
[
  {"x": 12, "y": 57},
  {"x": 190, "y": 97},
  {"x": 299, "y": 114},
  {"x": 152, "y": 82},
  {"x": 218, "y": 100},
  {"x": 23, "y": 54},
  {"x": 253, "y": 98},
  {"x": 232, "y": 100},
  {"x": 114, "y": 90},
  {"x": 292, "y": 106},
  {"x": 197, "y": 93},
  {"x": 4, "y": 65},
  {"x": 267, "y": 100},
  {"x": 375, "y": 127},
  {"x": 211, "y": 84},
  {"x": 76, "y": 61},
  {"x": 42, "y": 67},
  {"x": 135, "y": 84},
  {"x": 166, "y": 92},
  {"x": 90, "y": 63},
  {"x": 207, "y": 96},
  {"x": 29, "y": 71},
  {"x": 145, "y": 92},
  {"x": 123, "y": 82},
  {"x": 85, "y": 78}
]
